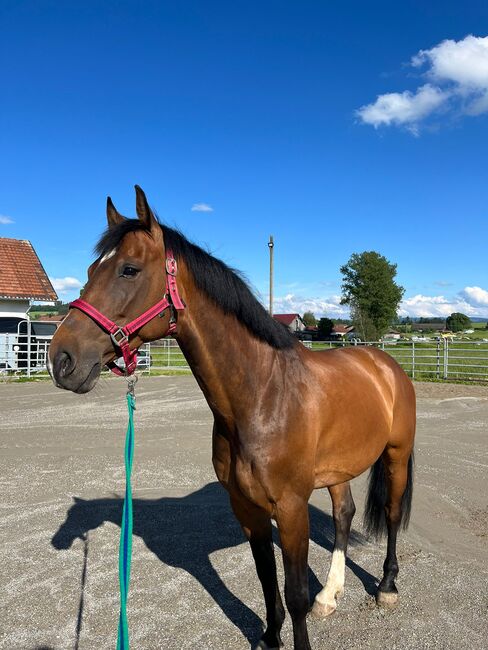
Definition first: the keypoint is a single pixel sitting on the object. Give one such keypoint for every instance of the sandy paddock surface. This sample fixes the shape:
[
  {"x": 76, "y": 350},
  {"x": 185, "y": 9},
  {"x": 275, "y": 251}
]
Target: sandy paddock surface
[{"x": 193, "y": 581}]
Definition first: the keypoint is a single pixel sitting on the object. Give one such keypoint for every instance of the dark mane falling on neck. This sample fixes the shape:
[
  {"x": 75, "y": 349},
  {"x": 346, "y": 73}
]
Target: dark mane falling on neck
[{"x": 220, "y": 283}]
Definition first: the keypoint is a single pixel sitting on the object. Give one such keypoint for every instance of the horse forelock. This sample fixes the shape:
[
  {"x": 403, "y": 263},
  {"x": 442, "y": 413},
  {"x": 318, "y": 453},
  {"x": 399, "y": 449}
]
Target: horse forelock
[{"x": 113, "y": 236}]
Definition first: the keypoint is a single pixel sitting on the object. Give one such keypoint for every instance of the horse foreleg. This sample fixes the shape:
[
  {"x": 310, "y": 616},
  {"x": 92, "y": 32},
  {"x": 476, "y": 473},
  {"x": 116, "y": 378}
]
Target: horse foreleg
[
  {"x": 343, "y": 510},
  {"x": 256, "y": 524},
  {"x": 293, "y": 524}
]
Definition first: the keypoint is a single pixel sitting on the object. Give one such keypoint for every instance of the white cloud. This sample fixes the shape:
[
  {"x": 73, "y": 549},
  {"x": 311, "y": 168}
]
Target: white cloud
[
  {"x": 425, "y": 306},
  {"x": 405, "y": 108},
  {"x": 457, "y": 73},
  {"x": 475, "y": 296},
  {"x": 472, "y": 301},
  {"x": 462, "y": 62},
  {"x": 64, "y": 285},
  {"x": 5, "y": 220},
  {"x": 321, "y": 306},
  {"x": 201, "y": 207}
]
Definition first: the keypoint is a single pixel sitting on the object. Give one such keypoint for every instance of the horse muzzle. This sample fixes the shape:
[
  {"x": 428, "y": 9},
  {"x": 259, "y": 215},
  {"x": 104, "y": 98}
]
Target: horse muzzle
[{"x": 70, "y": 373}]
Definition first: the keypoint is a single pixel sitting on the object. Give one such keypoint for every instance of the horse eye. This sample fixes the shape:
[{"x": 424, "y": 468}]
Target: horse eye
[{"x": 129, "y": 272}]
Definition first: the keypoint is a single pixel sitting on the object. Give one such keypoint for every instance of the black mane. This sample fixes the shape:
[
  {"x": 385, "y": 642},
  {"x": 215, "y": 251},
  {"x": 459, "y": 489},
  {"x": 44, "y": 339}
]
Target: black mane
[{"x": 218, "y": 281}]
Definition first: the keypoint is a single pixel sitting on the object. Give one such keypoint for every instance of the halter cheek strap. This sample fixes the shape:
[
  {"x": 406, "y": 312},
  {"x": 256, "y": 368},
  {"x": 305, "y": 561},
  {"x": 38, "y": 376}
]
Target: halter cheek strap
[{"x": 120, "y": 335}]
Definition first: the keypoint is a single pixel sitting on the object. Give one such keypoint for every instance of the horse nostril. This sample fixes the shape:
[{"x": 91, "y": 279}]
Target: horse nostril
[{"x": 63, "y": 364}]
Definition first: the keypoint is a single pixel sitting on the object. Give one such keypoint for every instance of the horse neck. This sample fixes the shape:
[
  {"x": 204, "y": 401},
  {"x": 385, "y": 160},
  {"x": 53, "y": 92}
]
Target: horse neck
[{"x": 227, "y": 361}]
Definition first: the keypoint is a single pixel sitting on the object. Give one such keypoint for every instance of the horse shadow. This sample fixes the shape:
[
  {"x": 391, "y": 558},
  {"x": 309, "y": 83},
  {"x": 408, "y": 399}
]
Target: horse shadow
[{"x": 184, "y": 531}]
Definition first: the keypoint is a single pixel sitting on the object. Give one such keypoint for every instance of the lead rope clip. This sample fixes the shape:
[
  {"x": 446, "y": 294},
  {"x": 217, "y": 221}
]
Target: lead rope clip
[{"x": 131, "y": 387}]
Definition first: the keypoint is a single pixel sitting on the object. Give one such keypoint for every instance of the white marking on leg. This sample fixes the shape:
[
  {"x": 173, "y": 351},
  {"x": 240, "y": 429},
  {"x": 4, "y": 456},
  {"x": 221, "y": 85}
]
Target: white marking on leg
[{"x": 334, "y": 586}]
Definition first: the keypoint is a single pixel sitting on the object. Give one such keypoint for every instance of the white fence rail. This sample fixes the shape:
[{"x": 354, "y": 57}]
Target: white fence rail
[
  {"x": 444, "y": 359},
  {"x": 458, "y": 360}
]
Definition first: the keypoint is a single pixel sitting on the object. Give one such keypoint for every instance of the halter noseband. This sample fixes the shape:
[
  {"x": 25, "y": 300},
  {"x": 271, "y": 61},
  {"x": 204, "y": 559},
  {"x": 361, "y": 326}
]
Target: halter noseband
[{"x": 120, "y": 335}]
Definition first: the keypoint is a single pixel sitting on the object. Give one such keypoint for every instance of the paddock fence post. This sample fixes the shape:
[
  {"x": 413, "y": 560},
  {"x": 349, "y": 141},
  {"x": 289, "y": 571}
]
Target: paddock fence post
[
  {"x": 438, "y": 360},
  {"x": 29, "y": 344},
  {"x": 446, "y": 358},
  {"x": 413, "y": 359}
]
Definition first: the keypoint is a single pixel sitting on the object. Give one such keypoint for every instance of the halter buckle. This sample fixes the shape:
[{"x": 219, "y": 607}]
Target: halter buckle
[
  {"x": 119, "y": 341},
  {"x": 171, "y": 266}
]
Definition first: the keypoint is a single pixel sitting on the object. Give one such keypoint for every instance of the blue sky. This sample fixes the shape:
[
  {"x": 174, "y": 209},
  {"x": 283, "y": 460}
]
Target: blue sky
[{"x": 336, "y": 127}]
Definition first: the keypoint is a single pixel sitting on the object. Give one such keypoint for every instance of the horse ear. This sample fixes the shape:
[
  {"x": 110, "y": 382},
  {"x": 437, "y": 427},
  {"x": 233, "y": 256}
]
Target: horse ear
[
  {"x": 113, "y": 217},
  {"x": 144, "y": 212},
  {"x": 142, "y": 207}
]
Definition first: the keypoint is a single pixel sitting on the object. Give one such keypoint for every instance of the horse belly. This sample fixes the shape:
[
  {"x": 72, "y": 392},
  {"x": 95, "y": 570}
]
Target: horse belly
[{"x": 346, "y": 450}]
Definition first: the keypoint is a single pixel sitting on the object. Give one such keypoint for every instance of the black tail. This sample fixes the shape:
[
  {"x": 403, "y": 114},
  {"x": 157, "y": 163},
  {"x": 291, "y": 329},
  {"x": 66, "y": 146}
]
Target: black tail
[{"x": 374, "y": 512}]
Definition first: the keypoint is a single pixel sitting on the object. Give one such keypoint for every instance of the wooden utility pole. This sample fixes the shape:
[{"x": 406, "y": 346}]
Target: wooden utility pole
[{"x": 271, "y": 247}]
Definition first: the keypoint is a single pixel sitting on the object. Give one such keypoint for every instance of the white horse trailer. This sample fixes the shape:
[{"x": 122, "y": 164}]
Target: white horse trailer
[{"x": 24, "y": 344}]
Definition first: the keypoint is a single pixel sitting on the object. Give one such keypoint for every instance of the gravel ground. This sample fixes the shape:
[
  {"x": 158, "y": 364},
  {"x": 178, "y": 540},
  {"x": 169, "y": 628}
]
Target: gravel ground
[{"x": 193, "y": 581}]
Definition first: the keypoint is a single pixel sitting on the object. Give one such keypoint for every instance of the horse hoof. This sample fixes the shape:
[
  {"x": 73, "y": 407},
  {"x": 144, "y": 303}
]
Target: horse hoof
[
  {"x": 322, "y": 610},
  {"x": 273, "y": 643},
  {"x": 387, "y": 599}
]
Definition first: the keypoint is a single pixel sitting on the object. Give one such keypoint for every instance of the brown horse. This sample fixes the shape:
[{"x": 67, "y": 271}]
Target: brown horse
[{"x": 287, "y": 420}]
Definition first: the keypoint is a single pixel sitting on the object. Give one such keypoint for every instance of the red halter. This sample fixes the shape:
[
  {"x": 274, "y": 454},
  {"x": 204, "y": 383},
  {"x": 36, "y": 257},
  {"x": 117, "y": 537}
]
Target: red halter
[{"x": 120, "y": 335}]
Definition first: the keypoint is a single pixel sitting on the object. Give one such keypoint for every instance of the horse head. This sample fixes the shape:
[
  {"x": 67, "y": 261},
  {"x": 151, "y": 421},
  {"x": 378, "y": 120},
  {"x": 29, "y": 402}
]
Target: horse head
[
  {"x": 126, "y": 279},
  {"x": 84, "y": 516}
]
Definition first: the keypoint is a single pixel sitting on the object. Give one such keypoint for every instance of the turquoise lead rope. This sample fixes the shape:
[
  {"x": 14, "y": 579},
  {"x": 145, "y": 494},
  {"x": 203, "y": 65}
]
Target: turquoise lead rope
[{"x": 125, "y": 545}]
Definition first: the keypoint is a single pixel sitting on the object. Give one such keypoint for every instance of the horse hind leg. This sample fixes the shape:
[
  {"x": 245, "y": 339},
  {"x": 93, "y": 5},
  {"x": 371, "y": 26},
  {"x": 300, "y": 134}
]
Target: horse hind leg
[
  {"x": 343, "y": 510},
  {"x": 391, "y": 481}
]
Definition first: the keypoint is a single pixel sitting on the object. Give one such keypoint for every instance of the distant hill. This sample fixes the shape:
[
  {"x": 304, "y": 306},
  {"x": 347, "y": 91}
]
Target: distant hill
[{"x": 474, "y": 319}]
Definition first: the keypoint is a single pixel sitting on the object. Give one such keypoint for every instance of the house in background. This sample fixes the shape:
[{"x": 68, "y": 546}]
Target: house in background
[
  {"x": 294, "y": 322},
  {"x": 341, "y": 332},
  {"x": 22, "y": 279},
  {"x": 392, "y": 335}
]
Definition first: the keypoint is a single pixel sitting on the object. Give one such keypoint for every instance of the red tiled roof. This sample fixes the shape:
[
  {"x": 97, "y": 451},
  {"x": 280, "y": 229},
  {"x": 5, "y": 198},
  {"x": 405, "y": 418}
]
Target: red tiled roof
[
  {"x": 21, "y": 272},
  {"x": 286, "y": 319},
  {"x": 342, "y": 329}
]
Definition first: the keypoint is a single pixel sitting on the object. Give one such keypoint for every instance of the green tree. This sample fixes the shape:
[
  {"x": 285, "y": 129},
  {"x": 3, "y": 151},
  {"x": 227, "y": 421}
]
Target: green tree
[
  {"x": 309, "y": 319},
  {"x": 370, "y": 290},
  {"x": 457, "y": 322},
  {"x": 325, "y": 326}
]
